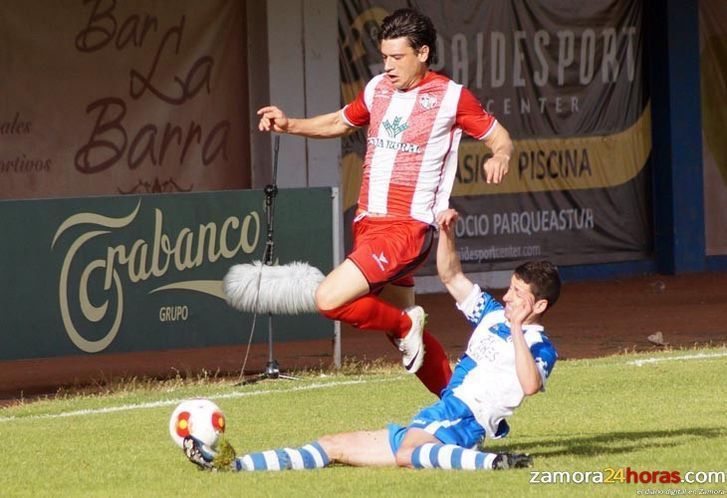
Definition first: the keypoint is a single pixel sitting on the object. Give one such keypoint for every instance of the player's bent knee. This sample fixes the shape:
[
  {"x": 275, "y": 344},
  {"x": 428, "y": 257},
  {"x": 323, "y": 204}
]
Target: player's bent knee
[
  {"x": 324, "y": 299},
  {"x": 334, "y": 314},
  {"x": 326, "y": 309},
  {"x": 328, "y": 303},
  {"x": 403, "y": 457}
]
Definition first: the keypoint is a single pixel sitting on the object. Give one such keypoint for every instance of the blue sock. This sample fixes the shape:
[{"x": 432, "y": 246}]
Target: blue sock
[
  {"x": 450, "y": 456},
  {"x": 310, "y": 456}
]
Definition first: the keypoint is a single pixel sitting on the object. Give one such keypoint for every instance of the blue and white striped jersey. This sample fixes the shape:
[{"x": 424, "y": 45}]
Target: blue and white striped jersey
[{"x": 485, "y": 378}]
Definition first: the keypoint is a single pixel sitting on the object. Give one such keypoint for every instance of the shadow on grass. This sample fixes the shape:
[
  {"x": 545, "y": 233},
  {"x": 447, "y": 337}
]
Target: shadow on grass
[{"x": 612, "y": 443}]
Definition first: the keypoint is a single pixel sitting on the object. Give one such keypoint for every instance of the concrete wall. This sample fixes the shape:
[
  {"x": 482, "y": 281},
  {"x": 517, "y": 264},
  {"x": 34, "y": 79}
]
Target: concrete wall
[{"x": 293, "y": 54}]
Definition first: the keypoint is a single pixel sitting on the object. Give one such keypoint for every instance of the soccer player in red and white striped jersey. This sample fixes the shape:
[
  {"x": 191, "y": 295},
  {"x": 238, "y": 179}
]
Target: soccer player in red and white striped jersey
[{"x": 415, "y": 119}]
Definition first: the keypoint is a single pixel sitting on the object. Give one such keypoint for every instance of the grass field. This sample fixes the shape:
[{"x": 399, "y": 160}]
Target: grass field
[{"x": 656, "y": 412}]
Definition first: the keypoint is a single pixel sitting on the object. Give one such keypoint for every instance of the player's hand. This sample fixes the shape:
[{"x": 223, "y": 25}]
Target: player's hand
[
  {"x": 446, "y": 219},
  {"x": 519, "y": 313},
  {"x": 496, "y": 168},
  {"x": 272, "y": 119}
]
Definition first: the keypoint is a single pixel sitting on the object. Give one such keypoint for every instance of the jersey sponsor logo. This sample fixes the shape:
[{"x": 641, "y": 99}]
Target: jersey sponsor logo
[
  {"x": 385, "y": 143},
  {"x": 381, "y": 260},
  {"x": 395, "y": 127},
  {"x": 483, "y": 348},
  {"x": 428, "y": 101}
]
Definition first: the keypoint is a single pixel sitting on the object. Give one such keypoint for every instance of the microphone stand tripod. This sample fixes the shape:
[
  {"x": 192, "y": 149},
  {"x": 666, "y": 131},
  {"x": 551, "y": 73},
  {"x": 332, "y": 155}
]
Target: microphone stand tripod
[{"x": 272, "y": 368}]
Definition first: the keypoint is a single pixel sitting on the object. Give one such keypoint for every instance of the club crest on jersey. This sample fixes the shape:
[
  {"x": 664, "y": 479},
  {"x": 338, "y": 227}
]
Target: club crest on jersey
[
  {"x": 428, "y": 101},
  {"x": 395, "y": 127}
]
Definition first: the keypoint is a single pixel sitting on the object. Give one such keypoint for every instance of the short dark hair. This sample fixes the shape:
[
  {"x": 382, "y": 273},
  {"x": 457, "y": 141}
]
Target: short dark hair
[
  {"x": 413, "y": 25},
  {"x": 543, "y": 279}
]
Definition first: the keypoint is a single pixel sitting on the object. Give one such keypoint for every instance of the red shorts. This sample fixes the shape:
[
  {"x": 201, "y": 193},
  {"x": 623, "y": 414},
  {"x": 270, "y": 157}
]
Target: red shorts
[{"x": 388, "y": 251}]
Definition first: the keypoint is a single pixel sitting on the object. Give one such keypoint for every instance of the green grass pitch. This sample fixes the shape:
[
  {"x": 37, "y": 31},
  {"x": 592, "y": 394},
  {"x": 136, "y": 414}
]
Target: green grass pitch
[{"x": 650, "y": 412}]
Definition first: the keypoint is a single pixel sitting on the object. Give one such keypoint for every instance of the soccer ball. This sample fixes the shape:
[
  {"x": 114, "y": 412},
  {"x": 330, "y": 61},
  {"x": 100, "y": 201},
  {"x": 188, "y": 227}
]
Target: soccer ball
[{"x": 200, "y": 418}]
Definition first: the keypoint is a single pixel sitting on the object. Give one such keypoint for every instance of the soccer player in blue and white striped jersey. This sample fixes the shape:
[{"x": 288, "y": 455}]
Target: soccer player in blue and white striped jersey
[{"x": 508, "y": 357}]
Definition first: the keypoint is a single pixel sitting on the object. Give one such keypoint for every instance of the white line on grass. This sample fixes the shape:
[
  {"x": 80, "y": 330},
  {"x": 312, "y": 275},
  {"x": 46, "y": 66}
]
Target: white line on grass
[
  {"x": 171, "y": 402},
  {"x": 698, "y": 356}
]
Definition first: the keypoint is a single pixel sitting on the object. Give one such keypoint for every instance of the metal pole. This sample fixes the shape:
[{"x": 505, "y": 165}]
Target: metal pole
[{"x": 337, "y": 252}]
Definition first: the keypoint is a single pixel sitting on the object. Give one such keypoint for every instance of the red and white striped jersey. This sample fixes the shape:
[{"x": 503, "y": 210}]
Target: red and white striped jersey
[{"x": 413, "y": 136}]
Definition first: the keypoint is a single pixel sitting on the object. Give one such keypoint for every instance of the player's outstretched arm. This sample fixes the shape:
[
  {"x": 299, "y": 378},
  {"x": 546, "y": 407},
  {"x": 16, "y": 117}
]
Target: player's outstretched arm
[
  {"x": 449, "y": 267},
  {"x": 329, "y": 125},
  {"x": 501, "y": 146}
]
